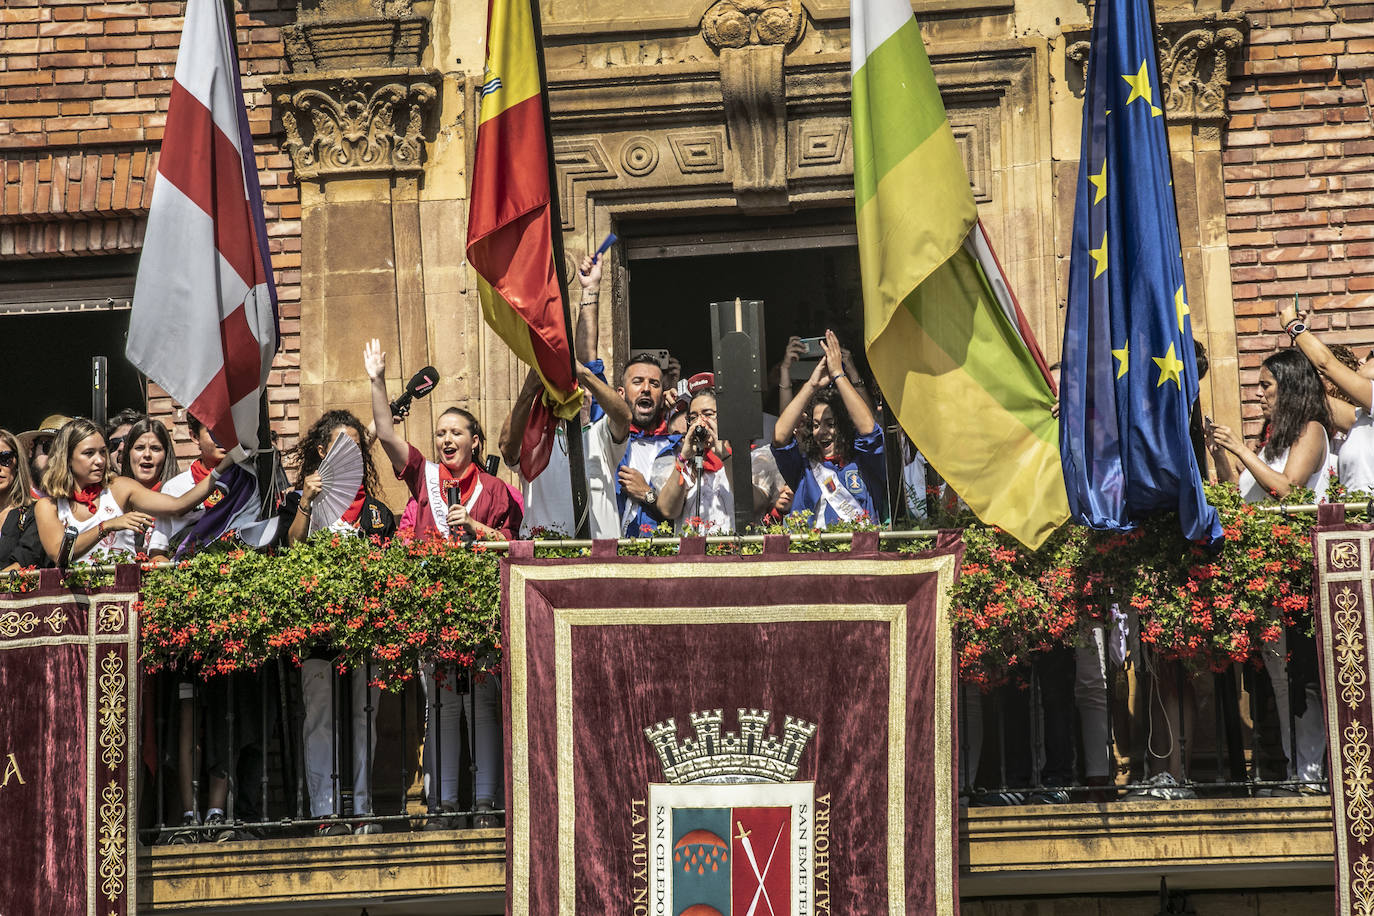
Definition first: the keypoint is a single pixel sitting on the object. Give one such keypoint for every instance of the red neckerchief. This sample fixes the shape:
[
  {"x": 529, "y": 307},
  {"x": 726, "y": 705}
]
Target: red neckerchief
[
  {"x": 89, "y": 496},
  {"x": 198, "y": 473},
  {"x": 355, "y": 508},
  {"x": 660, "y": 430},
  {"x": 713, "y": 462},
  {"x": 467, "y": 480},
  {"x": 835, "y": 461}
]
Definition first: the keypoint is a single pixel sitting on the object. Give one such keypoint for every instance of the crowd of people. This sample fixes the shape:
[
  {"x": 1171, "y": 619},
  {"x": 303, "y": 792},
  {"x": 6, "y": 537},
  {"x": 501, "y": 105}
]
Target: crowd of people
[{"x": 74, "y": 492}]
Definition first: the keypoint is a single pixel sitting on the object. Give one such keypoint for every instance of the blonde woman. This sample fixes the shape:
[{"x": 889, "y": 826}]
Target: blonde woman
[
  {"x": 109, "y": 514},
  {"x": 19, "y": 545}
]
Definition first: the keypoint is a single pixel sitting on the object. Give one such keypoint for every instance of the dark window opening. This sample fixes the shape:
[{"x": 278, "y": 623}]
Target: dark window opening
[
  {"x": 55, "y": 316},
  {"x": 806, "y": 273}
]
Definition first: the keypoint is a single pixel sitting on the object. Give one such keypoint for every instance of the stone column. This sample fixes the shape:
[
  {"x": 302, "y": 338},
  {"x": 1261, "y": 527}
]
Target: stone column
[{"x": 354, "y": 112}]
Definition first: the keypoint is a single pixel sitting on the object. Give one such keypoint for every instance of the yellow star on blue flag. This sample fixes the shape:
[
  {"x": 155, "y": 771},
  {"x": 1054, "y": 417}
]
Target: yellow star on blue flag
[{"x": 1124, "y": 431}]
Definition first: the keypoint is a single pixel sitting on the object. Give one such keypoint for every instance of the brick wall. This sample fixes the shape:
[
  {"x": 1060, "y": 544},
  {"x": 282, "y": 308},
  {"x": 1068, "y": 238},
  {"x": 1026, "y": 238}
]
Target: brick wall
[
  {"x": 1299, "y": 173},
  {"x": 83, "y": 101}
]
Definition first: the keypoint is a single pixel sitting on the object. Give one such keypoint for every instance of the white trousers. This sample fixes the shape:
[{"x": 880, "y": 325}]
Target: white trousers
[
  {"x": 442, "y": 708},
  {"x": 320, "y": 740},
  {"x": 1306, "y": 762}
]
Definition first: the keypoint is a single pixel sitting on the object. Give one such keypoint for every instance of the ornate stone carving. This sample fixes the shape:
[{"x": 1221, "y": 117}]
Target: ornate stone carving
[
  {"x": 349, "y": 125},
  {"x": 741, "y": 23},
  {"x": 821, "y": 144},
  {"x": 697, "y": 151},
  {"x": 756, "y": 122},
  {"x": 578, "y": 161},
  {"x": 1195, "y": 58},
  {"x": 639, "y": 156},
  {"x": 1195, "y": 65}
]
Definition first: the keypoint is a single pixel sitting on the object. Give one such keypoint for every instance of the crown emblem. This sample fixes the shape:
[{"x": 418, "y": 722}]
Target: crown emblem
[{"x": 717, "y": 757}]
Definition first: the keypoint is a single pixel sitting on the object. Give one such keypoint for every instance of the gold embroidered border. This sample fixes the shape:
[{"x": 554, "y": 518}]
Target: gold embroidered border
[
  {"x": 112, "y": 710},
  {"x": 1345, "y": 565},
  {"x": 1349, "y": 648},
  {"x": 114, "y": 842},
  {"x": 520, "y": 575},
  {"x": 13, "y": 623}
]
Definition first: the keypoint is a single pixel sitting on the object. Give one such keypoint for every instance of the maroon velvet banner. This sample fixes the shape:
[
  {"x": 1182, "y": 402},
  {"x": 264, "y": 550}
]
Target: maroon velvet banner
[
  {"x": 698, "y": 736},
  {"x": 68, "y": 670}
]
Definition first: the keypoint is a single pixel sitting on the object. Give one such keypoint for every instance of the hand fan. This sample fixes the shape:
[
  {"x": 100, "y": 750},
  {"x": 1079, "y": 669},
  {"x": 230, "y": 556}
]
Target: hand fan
[{"x": 341, "y": 472}]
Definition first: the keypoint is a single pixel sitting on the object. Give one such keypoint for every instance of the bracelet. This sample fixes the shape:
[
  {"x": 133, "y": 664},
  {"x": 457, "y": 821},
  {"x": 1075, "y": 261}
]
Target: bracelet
[
  {"x": 303, "y": 510},
  {"x": 596, "y": 298},
  {"x": 836, "y": 378},
  {"x": 100, "y": 531},
  {"x": 1295, "y": 329},
  {"x": 214, "y": 475}
]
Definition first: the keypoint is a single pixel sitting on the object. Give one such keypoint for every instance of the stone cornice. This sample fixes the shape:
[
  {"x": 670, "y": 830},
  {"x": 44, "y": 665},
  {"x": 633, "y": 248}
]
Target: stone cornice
[{"x": 350, "y": 123}]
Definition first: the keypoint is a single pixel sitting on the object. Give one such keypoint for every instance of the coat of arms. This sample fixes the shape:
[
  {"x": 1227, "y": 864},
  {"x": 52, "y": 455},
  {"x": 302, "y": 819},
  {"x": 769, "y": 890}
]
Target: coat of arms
[{"x": 730, "y": 833}]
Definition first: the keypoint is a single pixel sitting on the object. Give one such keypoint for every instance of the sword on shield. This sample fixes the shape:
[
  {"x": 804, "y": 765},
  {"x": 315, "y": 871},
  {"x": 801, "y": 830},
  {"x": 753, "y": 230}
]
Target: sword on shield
[{"x": 753, "y": 863}]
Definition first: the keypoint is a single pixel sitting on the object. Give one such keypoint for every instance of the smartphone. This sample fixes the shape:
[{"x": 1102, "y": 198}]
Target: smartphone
[
  {"x": 806, "y": 363},
  {"x": 658, "y": 354}
]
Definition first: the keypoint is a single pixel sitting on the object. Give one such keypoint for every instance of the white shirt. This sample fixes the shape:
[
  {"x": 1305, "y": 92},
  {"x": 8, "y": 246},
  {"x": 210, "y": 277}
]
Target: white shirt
[
  {"x": 1357, "y": 454},
  {"x": 114, "y": 545},
  {"x": 1252, "y": 491},
  {"x": 548, "y": 498},
  {"x": 167, "y": 528}
]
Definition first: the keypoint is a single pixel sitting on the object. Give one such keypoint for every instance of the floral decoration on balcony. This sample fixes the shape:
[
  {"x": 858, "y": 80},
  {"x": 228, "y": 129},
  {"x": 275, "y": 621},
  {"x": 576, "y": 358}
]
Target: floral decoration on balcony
[{"x": 1206, "y": 609}]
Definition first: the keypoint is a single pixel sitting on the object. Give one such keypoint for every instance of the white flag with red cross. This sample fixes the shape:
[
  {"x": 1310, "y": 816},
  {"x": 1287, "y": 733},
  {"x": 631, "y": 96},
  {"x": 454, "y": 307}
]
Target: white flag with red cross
[{"x": 204, "y": 322}]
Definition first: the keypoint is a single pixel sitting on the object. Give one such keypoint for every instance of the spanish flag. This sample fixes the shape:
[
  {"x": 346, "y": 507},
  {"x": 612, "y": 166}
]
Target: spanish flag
[
  {"x": 510, "y": 241},
  {"x": 946, "y": 340}
]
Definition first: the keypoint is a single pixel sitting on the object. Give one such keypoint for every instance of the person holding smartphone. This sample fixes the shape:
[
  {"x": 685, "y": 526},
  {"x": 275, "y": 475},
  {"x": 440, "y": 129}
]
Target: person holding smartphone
[
  {"x": 834, "y": 463},
  {"x": 1355, "y": 462}
]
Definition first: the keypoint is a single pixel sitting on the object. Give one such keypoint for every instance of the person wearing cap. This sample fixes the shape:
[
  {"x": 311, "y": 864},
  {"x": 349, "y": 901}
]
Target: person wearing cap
[
  {"x": 548, "y": 497},
  {"x": 36, "y": 444},
  {"x": 835, "y": 465}
]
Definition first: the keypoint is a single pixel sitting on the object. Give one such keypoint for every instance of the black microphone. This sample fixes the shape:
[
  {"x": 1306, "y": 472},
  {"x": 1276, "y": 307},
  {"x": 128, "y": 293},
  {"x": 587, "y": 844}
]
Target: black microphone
[{"x": 420, "y": 385}]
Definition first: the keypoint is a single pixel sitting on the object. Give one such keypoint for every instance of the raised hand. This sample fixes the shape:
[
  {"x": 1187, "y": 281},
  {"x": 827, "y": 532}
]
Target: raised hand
[
  {"x": 374, "y": 360},
  {"x": 834, "y": 355},
  {"x": 589, "y": 272}
]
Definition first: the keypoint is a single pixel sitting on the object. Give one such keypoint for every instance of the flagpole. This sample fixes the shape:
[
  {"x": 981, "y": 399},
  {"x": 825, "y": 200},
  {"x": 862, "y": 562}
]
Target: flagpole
[
  {"x": 577, "y": 466},
  {"x": 263, "y": 463}
]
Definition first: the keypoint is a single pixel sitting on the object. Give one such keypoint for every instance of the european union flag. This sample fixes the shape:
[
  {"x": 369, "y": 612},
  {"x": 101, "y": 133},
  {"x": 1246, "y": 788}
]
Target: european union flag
[{"x": 1129, "y": 376}]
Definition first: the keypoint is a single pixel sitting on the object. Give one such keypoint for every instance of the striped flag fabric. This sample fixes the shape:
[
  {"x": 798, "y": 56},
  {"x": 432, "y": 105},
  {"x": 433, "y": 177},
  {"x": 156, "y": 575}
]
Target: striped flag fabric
[
  {"x": 510, "y": 229},
  {"x": 204, "y": 321},
  {"x": 946, "y": 339}
]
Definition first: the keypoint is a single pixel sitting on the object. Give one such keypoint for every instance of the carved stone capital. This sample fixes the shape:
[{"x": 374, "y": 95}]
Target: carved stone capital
[
  {"x": 346, "y": 123},
  {"x": 1195, "y": 58},
  {"x": 741, "y": 23}
]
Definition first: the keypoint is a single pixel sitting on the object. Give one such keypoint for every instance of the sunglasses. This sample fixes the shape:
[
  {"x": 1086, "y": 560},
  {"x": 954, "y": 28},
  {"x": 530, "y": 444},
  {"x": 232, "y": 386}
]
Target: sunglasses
[
  {"x": 8, "y": 459},
  {"x": 114, "y": 443}
]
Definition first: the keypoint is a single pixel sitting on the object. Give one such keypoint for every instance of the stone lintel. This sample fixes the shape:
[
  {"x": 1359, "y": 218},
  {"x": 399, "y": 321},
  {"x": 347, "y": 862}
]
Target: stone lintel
[
  {"x": 314, "y": 45},
  {"x": 350, "y": 122}
]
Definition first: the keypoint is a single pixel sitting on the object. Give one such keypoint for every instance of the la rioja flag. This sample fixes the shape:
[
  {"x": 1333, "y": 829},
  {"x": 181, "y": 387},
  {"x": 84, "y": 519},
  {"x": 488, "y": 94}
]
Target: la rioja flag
[{"x": 204, "y": 323}]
